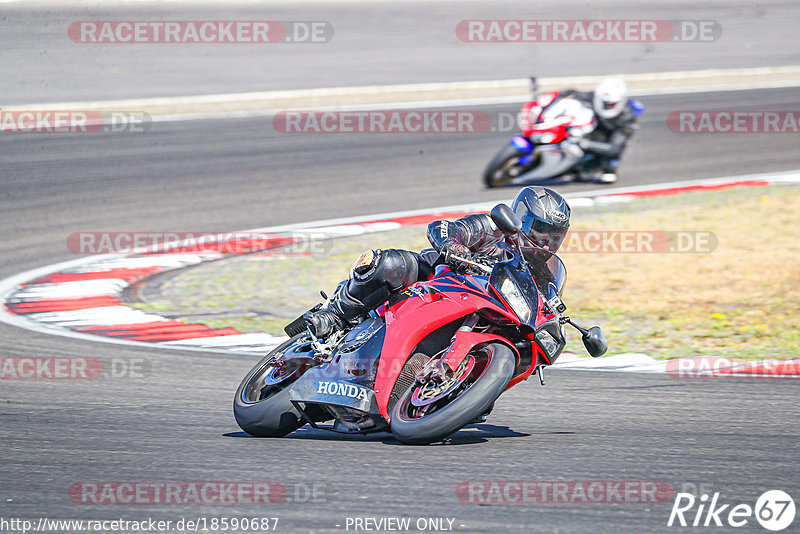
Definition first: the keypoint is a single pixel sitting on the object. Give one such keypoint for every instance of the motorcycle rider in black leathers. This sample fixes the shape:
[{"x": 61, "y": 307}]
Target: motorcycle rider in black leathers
[
  {"x": 616, "y": 123},
  {"x": 378, "y": 274}
]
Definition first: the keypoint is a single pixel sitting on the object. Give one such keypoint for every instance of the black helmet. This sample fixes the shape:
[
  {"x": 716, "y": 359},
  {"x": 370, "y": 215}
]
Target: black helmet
[{"x": 544, "y": 215}]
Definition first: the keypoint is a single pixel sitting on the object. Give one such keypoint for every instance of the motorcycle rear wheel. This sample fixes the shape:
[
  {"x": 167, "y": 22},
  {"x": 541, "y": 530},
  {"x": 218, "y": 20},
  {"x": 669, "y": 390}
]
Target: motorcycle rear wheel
[{"x": 486, "y": 378}]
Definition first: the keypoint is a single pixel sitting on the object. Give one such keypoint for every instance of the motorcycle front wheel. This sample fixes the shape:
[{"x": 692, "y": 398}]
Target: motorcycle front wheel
[
  {"x": 430, "y": 411},
  {"x": 261, "y": 405},
  {"x": 503, "y": 168}
]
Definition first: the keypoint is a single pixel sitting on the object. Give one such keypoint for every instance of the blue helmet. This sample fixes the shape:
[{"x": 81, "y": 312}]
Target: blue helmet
[{"x": 544, "y": 215}]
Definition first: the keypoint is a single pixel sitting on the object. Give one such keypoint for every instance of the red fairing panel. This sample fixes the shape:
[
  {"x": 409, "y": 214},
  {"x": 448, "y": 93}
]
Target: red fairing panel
[
  {"x": 532, "y": 110},
  {"x": 410, "y": 320},
  {"x": 465, "y": 341}
]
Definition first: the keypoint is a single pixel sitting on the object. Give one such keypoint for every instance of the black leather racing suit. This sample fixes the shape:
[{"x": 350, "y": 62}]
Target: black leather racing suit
[
  {"x": 608, "y": 141},
  {"x": 380, "y": 273}
]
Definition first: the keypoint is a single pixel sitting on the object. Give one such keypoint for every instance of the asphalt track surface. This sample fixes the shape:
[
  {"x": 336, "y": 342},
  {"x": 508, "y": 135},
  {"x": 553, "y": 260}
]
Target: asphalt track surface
[
  {"x": 736, "y": 437},
  {"x": 374, "y": 43}
]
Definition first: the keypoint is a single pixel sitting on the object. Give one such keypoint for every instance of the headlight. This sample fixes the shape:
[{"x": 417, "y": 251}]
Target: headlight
[
  {"x": 547, "y": 342},
  {"x": 515, "y": 299}
]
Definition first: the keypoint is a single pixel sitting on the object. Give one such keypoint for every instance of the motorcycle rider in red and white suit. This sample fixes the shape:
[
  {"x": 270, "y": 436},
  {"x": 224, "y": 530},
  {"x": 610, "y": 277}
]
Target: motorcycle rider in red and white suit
[{"x": 616, "y": 123}]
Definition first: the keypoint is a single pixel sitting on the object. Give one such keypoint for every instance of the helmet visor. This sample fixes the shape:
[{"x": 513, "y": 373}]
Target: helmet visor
[{"x": 543, "y": 234}]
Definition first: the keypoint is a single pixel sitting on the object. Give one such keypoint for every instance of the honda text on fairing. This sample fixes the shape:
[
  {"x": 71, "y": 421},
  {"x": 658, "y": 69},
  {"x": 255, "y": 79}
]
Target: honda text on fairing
[
  {"x": 554, "y": 126},
  {"x": 431, "y": 359}
]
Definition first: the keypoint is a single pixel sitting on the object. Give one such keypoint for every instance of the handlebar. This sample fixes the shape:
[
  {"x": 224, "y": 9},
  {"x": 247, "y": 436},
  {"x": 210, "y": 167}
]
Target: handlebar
[{"x": 472, "y": 263}]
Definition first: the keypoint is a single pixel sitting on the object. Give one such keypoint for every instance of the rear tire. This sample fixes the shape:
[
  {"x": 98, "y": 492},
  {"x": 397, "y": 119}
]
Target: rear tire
[
  {"x": 499, "y": 172},
  {"x": 459, "y": 412},
  {"x": 273, "y": 415}
]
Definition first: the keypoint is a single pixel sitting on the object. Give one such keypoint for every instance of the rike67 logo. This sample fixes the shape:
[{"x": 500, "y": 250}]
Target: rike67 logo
[{"x": 774, "y": 510}]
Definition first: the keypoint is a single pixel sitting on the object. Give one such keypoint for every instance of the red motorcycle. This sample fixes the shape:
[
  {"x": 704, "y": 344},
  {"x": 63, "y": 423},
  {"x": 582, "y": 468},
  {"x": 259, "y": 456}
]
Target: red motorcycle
[
  {"x": 543, "y": 150},
  {"x": 431, "y": 360}
]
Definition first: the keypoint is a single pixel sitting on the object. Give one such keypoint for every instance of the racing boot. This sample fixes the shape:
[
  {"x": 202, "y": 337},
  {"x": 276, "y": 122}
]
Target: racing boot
[
  {"x": 587, "y": 170},
  {"x": 338, "y": 312},
  {"x": 374, "y": 276},
  {"x": 609, "y": 175}
]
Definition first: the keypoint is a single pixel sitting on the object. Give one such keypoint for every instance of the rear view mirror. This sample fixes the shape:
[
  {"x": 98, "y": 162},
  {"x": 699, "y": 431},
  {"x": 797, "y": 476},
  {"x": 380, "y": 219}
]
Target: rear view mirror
[
  {"x": 506, "y": 220},
  {"x": 595, "y": 342}
]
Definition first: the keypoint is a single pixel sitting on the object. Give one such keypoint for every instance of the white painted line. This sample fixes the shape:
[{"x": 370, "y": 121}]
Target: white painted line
[
  {"x": 616, "y": 360},
  {"x": 426, "y": 95},
  {"x": 167, "y": 261},
  {"x": 792, "y": 176},
  {"x": 630, "y": 362},
  {"x": 610, "y": 200},
  {"x": 517, "y": 100},
  {"x": 232, "y": 340}
]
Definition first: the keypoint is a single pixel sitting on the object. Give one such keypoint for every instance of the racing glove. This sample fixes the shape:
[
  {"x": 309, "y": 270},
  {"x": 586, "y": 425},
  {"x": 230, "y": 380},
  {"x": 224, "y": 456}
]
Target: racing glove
[
  {"x": 574, "y": 147},
  {"x": 455, "y": 249}
]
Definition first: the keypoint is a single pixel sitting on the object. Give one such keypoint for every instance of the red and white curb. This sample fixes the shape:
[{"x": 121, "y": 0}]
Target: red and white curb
[{"x": 81, "y": 298}]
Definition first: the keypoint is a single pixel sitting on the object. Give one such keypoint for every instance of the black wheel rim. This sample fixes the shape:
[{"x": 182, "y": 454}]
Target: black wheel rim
[
  {"x": 477, "y": 363},
  {"x": 276, "y": 374},
  {"x": 503, "y": 174}
]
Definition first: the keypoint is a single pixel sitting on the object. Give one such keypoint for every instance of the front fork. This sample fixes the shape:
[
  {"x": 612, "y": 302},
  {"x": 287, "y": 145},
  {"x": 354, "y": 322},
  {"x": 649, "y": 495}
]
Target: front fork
[
  {"x": 466, "y": 338},
  {"x": 437, "y": 368},
  {"x": 522, "y": 144}
]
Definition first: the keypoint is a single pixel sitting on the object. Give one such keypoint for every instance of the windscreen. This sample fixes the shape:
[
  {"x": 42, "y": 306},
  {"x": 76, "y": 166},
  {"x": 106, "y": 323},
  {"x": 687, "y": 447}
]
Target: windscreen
[{"x": 547, "y": 269}]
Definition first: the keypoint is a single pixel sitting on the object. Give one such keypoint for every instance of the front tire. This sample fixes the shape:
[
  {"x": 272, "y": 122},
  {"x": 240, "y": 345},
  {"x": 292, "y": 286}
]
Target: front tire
[
  {"x": 503, "y": 168},
  {"x": 492, "y": 363},
  {"x": 265, "y": 411}
]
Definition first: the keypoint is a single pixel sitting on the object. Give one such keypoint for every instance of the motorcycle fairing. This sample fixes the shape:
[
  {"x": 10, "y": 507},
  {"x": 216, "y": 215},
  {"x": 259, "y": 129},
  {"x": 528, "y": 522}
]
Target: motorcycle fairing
[
  {"x": 553, "y": 161},
  {"x": 411, "y": 319},
  {"x": 637, "y": 106},
  {"x": 316, "y": 388},
  {"x": 347, "y": 379},
  {"x": 465, "y": 341},
  {"x": 522, "y": 144}
]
